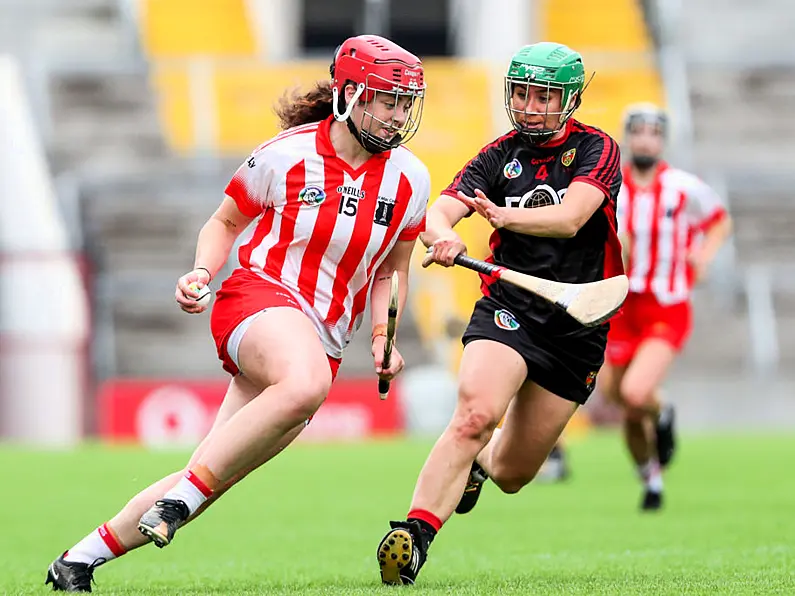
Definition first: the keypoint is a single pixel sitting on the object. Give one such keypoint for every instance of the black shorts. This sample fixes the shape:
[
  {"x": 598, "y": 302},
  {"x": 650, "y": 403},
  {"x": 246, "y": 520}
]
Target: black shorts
[{"x": 564, "y": 363}]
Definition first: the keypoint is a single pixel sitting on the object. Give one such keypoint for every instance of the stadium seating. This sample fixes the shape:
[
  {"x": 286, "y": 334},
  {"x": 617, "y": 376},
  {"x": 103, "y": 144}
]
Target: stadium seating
[
  {"x": 178, "y": 29},
  {"x": 615, "y": 43}
]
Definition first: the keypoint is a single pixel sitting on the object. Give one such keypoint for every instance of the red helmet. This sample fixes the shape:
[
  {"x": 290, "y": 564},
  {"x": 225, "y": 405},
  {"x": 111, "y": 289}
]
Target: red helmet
[{"x": 376, "y": 64}]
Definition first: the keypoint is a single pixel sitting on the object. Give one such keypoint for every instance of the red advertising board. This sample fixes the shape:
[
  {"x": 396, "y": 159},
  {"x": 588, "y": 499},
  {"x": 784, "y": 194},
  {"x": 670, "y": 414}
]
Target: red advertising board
[{"x": 178, "y": 412}]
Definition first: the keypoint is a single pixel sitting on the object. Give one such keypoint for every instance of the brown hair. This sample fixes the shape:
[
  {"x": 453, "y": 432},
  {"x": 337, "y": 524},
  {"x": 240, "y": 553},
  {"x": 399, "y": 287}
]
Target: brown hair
[{"x": 314, "y": 105}]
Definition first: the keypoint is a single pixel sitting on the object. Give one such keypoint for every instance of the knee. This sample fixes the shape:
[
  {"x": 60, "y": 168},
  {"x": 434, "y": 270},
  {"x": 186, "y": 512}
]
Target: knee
[
  {"x": 474, "y": 424},
  {"x": 511, "y": 481},
  {"x": 305, "y": 393},
  {"x": 636, "y": 398}
]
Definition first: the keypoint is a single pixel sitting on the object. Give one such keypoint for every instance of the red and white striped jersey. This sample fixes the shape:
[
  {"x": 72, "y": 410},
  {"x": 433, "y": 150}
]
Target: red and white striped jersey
[
  {"x": 663, "y": 222},
  {"x": 323, "y": 228}
]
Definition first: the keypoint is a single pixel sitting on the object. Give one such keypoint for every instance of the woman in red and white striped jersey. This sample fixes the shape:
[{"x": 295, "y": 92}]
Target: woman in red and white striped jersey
[
  {"x": 338, "y": 203},
  {"x": 671, "y": 225}
]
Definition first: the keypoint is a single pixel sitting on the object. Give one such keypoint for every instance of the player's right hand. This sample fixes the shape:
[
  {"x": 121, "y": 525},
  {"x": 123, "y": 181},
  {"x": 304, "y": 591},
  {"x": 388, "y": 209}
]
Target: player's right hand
[
  {"x": 186, "y": 296},
  {"x": 444, "y": 251}
]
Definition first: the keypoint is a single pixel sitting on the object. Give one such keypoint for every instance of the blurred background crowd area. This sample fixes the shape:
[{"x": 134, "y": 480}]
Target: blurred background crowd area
[{"x": 123, "y": 120}]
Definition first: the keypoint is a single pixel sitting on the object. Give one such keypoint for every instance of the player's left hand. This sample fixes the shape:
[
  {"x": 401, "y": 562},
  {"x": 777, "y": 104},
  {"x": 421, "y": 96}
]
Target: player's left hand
[
  {"x": 396, "y": 362},
  {"x": 496, "y": 216}
]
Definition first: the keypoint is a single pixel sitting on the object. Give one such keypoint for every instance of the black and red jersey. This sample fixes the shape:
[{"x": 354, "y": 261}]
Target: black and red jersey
[{"x": 513, "y": 173}]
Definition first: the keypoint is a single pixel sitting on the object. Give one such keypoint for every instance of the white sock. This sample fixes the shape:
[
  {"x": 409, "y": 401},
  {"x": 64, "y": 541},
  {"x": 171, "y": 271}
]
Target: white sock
[
  {"x": 99, "y": 545},
  {"x": 651, "y": 474},
  {"x": 191, "y": 491}
]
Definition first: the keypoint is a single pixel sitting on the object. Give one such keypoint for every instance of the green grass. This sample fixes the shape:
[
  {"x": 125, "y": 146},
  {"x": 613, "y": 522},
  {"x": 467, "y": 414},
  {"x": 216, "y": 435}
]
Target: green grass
[{"x": 309, "y": 523}]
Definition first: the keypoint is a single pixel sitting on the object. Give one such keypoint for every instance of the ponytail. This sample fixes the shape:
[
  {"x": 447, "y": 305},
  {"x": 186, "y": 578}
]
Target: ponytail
[{"x": 312, "y": 106}]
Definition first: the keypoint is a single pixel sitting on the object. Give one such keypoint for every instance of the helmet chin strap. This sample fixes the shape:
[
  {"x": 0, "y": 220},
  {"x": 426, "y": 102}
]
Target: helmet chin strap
[
  {"x": 367, "y": 141},
  {"x": 349, "y": 108}
]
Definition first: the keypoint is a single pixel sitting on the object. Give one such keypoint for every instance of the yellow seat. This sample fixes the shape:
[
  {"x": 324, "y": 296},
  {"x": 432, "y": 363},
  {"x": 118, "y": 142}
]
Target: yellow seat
[
  {"x": 172, "y": 87},
  {"x": 186, "y": 28},
  {"x": 610, "y": 25}
]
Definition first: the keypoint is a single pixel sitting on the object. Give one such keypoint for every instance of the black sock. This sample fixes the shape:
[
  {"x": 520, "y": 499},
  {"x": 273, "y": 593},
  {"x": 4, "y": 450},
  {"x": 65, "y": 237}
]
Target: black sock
[{"x": 428, "y": 531}]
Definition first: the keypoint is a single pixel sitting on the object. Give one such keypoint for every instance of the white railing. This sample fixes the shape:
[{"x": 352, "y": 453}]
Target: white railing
[
  {"x": 758, "y": 282},
  {"x": 673, "y": 69}
]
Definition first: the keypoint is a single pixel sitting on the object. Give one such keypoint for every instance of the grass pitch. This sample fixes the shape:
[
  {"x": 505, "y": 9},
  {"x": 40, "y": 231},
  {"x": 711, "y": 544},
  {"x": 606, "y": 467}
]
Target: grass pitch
[{"x": 309, "y": 523}]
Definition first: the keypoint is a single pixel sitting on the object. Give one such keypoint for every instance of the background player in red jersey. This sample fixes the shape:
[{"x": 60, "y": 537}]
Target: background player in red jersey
[
  {"x": 339, "y": 204},
  {"x": 672, "y": 225},
  {"x": 548, "y": 188}
]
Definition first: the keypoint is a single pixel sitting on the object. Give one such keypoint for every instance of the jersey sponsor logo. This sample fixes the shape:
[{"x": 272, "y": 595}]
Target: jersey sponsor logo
[
  {"x": 505, "y": 320},
  {"x": 384, "y": 209},
  {"x": 512, "y": 169},
  {"x": 312, "y": 195},
  {"x": 250, "y": 161},
  {"x": 568, "y": 157},
  {"x": 541, "y": 196},
  {"x": 352, "y": 191}
]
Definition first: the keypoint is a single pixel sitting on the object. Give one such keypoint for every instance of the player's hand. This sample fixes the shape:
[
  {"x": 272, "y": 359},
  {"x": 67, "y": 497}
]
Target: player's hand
[
  {"x": 186, "y": 296},
  {"x": 396, "y": 362},
  {"x": 444, "y": 251},
  {"x": 496, "y": 216},
  {"x": 698, "y": 264}
]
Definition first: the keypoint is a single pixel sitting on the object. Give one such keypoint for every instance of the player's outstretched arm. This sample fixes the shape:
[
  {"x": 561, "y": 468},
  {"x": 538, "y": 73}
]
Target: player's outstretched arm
[
  {"x": 445, "y": 213},
  {"x": 555, "y": 221},
  {"x": 442, "y": 216}
]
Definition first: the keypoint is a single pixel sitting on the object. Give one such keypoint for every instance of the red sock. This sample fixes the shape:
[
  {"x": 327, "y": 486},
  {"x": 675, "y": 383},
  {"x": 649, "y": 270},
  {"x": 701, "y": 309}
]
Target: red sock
[
  {"x": 427, "y": 517},
  {"x": 100, "y": 545},
  {"x": 111, "y": 540}
]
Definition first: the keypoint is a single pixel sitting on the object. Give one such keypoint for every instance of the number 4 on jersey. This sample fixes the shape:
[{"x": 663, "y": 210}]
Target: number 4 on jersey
[{"x": 542, "y": 173}]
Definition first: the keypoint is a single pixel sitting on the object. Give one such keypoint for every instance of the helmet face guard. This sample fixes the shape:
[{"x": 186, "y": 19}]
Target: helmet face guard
[
  {"x": 386, "y": 74},
  {"x": 548, "y": 66},
  {"x": 569, "y": 103}
]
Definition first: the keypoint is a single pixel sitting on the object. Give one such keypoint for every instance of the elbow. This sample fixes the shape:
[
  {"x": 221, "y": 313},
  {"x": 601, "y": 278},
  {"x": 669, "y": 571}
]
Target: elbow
[{"x": 569, "y": 228}]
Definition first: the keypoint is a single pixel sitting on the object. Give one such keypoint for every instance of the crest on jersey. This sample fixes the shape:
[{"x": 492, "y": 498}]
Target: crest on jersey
[
  {"x": 312, "y": 195},
  {"x": 512, "y": 169},
  {"x": 590, "y": 380},
  {"x": 384, "y": 210},
  {"x": 505, "y": 320},
  {"x": 568, "y": 157}
]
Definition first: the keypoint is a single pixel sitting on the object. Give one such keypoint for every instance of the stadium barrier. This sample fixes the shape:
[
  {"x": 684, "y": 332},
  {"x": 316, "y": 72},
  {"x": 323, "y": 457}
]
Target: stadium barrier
[{"x": 163, "y": 413}]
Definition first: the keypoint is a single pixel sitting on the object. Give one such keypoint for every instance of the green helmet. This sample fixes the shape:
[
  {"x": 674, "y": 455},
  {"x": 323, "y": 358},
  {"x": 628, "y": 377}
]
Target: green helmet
[{"x": 552, "y": 66}]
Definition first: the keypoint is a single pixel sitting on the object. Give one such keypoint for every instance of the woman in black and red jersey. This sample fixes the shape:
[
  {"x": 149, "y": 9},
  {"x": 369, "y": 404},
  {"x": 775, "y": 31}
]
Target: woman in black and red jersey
[{"x": 548, "y": 188}]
